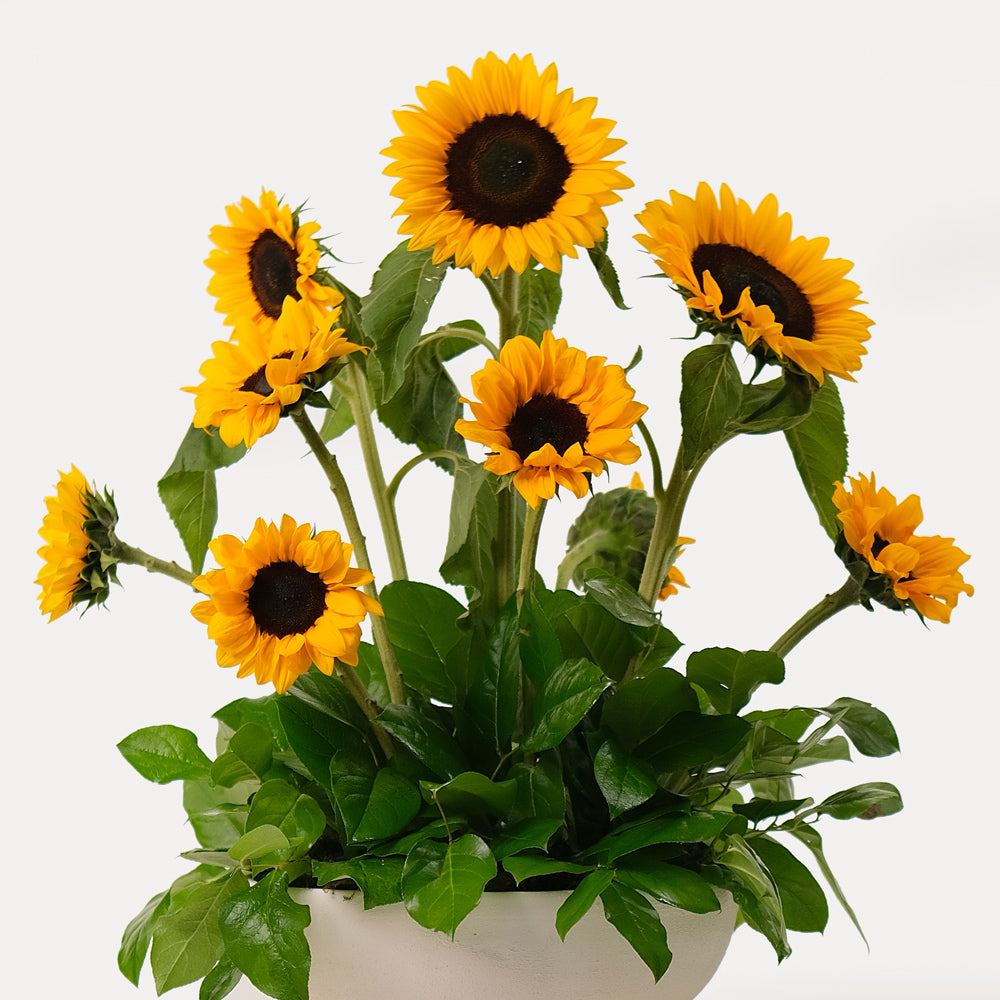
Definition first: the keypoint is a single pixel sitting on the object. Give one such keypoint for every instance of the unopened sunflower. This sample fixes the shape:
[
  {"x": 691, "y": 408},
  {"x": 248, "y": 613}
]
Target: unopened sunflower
[
  {"x": 76, "y": 530},
  {"x": 500, "y": 167},
  {"x": 264, "y": 256},
  {"x": 282, "y": 600},
  {"x": 551, "y": 416},
  {"x": 741, "y": 271},
  {"x": 251, "y": 378},
  {"x": 897, "y": 567}
]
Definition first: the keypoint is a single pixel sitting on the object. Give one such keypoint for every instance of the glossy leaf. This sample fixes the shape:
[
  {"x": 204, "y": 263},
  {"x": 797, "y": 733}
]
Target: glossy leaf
[
  {"x": 495, "y": 688},
  {"x": 625, "y": 780},
  {"x": 248, "y": 756},
  {"x": 730, "y": 677},
  {"x": 392, "y": 803},
  {"x": 866, "y": 727},
  {"x": 598, "y": 254},
  {"x": 221, "y": 981},
  {"x": 474, "y": 794},
  {"x": 692, "y": 740},
  {"x": 379, "y": 879},
  {"x": 640, "y": 709},
  {"x": 803, "y": 902},
  {"x": 315, "y": 737},
  {"x": 870, "y": 800},
  {"x": 621, "y": 599},
  {"x": 711, "y": 390},
  {"x": 569, "y": 692},
  {"x": 676, "y": 830},
  {"x": 137, "y": 935},
  {"x": 581, "y": 899},
  {"x": 669, "y": 883},
  {"x": 636, "y": 920},
  {"x": 297, "y": 815},
  {"x": 524, "y": 866},
  {"x": 529, "y": 834},
  {"x": 426, "y": 738},
  {"x": 258, "y": 843},
  {"x": 165, "y": 753},
  {"x": 263, "y": 930}
]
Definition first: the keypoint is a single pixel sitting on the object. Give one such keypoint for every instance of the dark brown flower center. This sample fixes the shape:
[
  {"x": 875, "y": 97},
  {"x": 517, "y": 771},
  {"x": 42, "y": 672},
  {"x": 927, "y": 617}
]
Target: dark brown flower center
[
  {"x": 258, "y": 382},
  {"x": 506, "y": 170},
  {"x": 546, "y": 420},
  {"x": 286, "y": 598},
  {"x": 274, "y": 270},
  {"x": 735, "y": 269}
]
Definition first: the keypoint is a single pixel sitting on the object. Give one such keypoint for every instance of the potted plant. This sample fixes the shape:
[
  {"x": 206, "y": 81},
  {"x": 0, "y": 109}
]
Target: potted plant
[{"x": 511, "y": 727}]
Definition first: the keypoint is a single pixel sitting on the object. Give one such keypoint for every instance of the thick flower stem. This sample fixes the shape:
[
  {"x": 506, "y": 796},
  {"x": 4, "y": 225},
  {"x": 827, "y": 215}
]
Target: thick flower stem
[
  {"x": 848, "y": 595},
  {"x": 529, "y": 548},
  {"x": 361, "y": 411},
  {"x": 508, "y": 311},
  {"x": 338, "y": 485},
  {"x": 123, "y": 553}
]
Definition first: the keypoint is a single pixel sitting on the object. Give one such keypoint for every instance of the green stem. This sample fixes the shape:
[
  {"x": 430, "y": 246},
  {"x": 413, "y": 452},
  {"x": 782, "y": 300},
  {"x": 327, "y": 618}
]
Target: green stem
[
  {"x": 338, "y": 484},
  {"x": 529, "y": 548},
  {"x": 349, "y": 676},
  {"x": 848, "y": 595},
  {"x": 508, "y": 311},
  {"x": 127, "y": 554},
  {"x": 654, "y": 458},
  {"x": 393, "y": 488},
  {"x": 361, "y": 410},
  {"x": 462, "y": 333},
  {"x": 576, "y": 555}
]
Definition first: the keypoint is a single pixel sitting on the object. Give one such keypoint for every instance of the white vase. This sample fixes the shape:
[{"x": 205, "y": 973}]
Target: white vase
[{"x": 506, "y": 949}]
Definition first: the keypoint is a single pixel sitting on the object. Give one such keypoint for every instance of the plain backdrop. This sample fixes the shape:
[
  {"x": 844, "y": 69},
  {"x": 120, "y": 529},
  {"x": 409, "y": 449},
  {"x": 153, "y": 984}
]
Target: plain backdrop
[{"x": 127, "y": 127}]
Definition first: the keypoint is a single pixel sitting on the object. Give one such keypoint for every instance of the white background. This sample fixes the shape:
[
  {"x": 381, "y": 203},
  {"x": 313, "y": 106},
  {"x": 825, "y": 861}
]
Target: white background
[{"x": 127, "y": 127}]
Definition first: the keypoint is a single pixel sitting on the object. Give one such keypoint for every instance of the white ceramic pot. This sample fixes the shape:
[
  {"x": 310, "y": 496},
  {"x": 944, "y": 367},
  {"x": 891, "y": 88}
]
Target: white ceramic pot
[{"x": 506, "y": 949}]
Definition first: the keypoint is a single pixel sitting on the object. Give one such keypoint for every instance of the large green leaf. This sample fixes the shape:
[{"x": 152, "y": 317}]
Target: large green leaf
[
  {"x": 625, "y": 780},
  {"x": 872, "y": 799},
  {"x": 620, "y": 598},
  {"x": 642, "y": 707},
  {"x": 165, "y": 753},
  {"x": 539, "y": 297},
  {"x": 393, "y": 314},
  {"x": 819, "y": 447},
  {"x": 691, "y": 740},
  {"x": 221, "y": 981},
  {"x": 598, "y": 254},
  {"x": 474, "y": 794},
  {"x": 137, "y": 935},
  {"x": 442, "y": 883},
  {"x": 636, "y": 920},
  {"x": 379, "y": 879},
  {"x": 315, "y": 736},
  {"x": 803, "y": 901},
  {"x": 711, "y": 390},
  {"x": 248, "y": 756},
  {"x": 698, "y": 827},
  {"x": 866, "y": 727},
  {"x": 187, "y": 941},
  {"x": 263, "y": 930},
  {"x": 496, "y": 679},
  {"x": 566, "y": 697},
  {"x": 581, "y": 899},
  {"x": 217, "y": 814},
  {"x": 668, "y": 883},
  {"x": 426, "y": 738},
  {"x": 730, "y": 677},
  {"x": 299, "y": 816},
  {"x": 391, "y": 801}
]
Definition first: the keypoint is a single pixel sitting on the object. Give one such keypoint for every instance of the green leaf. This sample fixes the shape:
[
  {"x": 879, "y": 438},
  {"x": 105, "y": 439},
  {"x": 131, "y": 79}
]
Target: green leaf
[
  {"x": 379, "y": 879},
  {"x": 424, "y": 409},
  {"x": 872, "y": 799},
  {"x": 692, "y": 740},
  {"x": 297, "y": 815},
  {"x": 642, "y": 707},
  {"x": 442, "y": 883},
  {"x": 495, "y": 685},
  {"x": 569, "y": 692},
  {"x": 339, "y": 418},
  {"x": 258, "y": 843},
  {"x": 525, "y": 866},
  {"x": 729, "y": 677},
  {"x": 135, "y": 939},
  {"x": 216, "y": 814},
  {"x": 474, "y": 794},
  {"x": 757, "y": 810},
  {"x": 526, "y": 835},
  {"x": 763, "y": 915},
  {"x": 393, "y": 314},
  {"x": 696, "y": 828},
  {"x": 426, "y": 738},
  {"x": 248, "y": 756},
  {"x": 186, "y": 940},
  {"x": 867, "y": 728},
  {"x": 773, "y": 406},
  {"x": 581, "y": 899},
  {"x": 819, "y": 448},
  {"x": 392, "y": 803},
  {"x": 625, "y": 781},
  {"x": 328, "y": 695},
  {"x": 711, "y": 390},
  {"x": 620, "y": 599},
  {"x": 670, "y": 884},
  {"x": 187, "y": 489},
  {"x": 539, "y": 297},
  {"x": 540, "y": 790},
  {"x": 636, "y": 920},
  {"x": 221, "y": 981},
  {"x": 803, "y": 902},
  {"x": 315, "y": 737},
  {"x": 598, "y": 254},
  {"x": 165, "y": 753},
  {"x": 538, "y": 643},
  {"x": 588, "y": 631},
  {"x": 264, "y": 934},
  {"x": 422, "y": 621}
]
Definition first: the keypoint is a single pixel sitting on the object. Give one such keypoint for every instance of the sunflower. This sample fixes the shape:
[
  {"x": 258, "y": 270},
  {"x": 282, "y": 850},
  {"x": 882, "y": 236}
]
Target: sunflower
[
  {"x": 897, "y": 567},
  {"x": 252, "y": 377},
  {"x": 551, "y": 416},
  {"x": 283, "y": 599},
  {"x": 76, "y": 529},
  {"x": 500, "y": 167},
  {"x": 263, "y": 257},
  {"x": 741, "y": 272}
]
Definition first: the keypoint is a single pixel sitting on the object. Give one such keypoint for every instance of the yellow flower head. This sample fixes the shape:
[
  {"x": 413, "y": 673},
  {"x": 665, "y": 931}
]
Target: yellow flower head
[
  {"x": 551, "y": 416},
  {"x": 252, "y": 377},
  {"x": 282, "y": 600},
  {"x": 263, "y": 257},
  {"x": 76, "y": 530},
  {"x": 740, "y": 270},
  {"x": 919, "y": 571},
  {"x": 501, "y": 166}
]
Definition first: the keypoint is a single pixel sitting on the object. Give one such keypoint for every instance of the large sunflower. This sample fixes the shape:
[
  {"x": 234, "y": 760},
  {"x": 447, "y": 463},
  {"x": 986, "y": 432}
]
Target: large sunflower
[
  {"x": 740, "y": 268},
  {"x": 500, "y": 167},
  {"x": 283, "y": 599},
  {"x": 919, "y": 571},
  {"x": 252, "y": 377},
  {"x": 551, "y": 416},
  {"x": 263, "y": 257},
  {"x": 74, "y": 571}
]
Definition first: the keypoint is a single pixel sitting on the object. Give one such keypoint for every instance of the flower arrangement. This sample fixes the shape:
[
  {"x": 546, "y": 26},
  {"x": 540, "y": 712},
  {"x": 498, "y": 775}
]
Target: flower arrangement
[{"x": 525, "y": 736}]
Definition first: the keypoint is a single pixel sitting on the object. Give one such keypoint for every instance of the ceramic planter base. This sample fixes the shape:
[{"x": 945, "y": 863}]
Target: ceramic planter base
[{"x": 506, "y": 949}]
